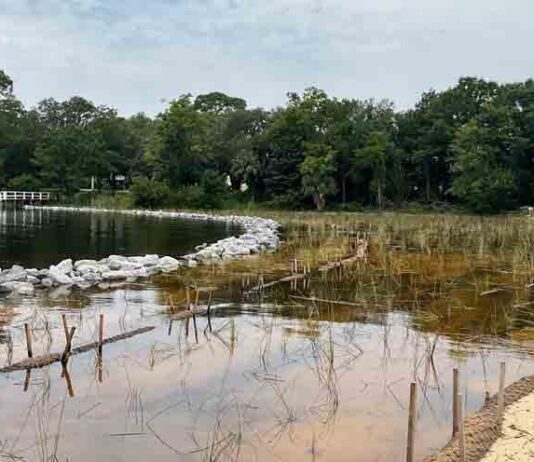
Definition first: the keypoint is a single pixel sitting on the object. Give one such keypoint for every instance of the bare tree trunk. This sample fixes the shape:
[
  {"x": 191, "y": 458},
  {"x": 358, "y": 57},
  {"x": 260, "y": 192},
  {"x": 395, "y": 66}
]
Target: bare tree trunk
[
  {"x": 379, "y": 194},
  {"x": 427, "y": 181},
  {"x": 319, "y": 200}
]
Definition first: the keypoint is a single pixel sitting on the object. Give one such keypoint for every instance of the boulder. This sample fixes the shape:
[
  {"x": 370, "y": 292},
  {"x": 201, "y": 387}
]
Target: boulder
[
  {"x": 58, "y": 276},
  {"x": 168, "y": 264},
  {"x": 115, "y": 262},
  {"x": 83, "y": 263},
  {"x": 33, "y": 280},
  {"x": 47, "y": 283},
  {"x": 117, "y": 275},
  {"x": 147, "y": 260},
  {"x": 15, "y": 274},
  {"x": 92, "y": 278},
  {"x": 20, "y": 288},
  {"x": 86, "y": 268},
  {"x": 65, "y": 266}
]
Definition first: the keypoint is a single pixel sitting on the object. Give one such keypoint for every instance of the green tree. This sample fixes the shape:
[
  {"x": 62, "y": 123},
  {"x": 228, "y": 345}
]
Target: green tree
[
  {"x": 183, "y": 143},
  {"x": 483, "y": 180},
  {"x": 374, "y": 156},
  {"x": 218, "y": 103},
  {"x": 317, "y": 172}
]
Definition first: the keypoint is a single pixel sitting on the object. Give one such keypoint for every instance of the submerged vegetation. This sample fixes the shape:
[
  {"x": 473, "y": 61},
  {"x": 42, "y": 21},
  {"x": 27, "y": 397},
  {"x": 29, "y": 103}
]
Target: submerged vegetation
[
  {"x": 305, "y": 352},
  {"x": 471, "y": 145}
]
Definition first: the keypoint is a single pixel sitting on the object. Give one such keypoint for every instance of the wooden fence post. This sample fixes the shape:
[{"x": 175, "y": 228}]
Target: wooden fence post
[
  {"x": 28, "y": 340},
  {"x": 461, "y": 431},
  {"x": 411, "y": 423},
  {"x": 500, "y": 398},
  {"x": 455, "y": 391}
]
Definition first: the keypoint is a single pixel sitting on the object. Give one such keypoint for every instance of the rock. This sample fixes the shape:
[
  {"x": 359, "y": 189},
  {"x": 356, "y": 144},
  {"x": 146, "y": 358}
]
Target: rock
[
  {"x": 147, "y": 260},
  {"x": 92, "y": 278},
  {"x": 20, "y": 288},
  {"x": 82, "y": 263},
  {"x": 117, "y": 275},
  {"x": 58, "y": 276},
  {"x": 86, "y": 268},
  {"x": 47, "y": 282},
  {"x": 32, "y": 272},
  {"x": 192, "y": 263},
  {"x": 15, "y": 274},
  {"x": 33, "y": 280},
  {"x": 65, "y": 266},
  {"x": 115, "y": 262},
  {"x": 168, "y": 264}
]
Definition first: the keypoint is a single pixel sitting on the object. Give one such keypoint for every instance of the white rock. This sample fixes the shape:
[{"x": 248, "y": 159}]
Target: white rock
[
  {"x": 147, "y": 260},
  {"x": 117, "y": 275},
  {"x": 65, "y": 266},
  {"x": 21, "y": 288},
  {"x": 15, "y": 274},
  {"x": 82, "y": 263},
  {"x": 115, "y": 262},
  {"x": 47, "y": 282},
  {"x": 58, "y": 276},
  {"x": 168, "y": 264}
]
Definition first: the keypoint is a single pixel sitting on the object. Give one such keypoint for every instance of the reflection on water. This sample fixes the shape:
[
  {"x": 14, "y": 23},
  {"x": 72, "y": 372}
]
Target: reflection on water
[
  {"x": 38, "y": 238},
  {"x": 314, "y": 368}
]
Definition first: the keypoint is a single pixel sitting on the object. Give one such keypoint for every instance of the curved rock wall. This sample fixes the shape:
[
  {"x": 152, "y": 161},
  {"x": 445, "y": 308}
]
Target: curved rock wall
[{"x": 261, "y": 235}]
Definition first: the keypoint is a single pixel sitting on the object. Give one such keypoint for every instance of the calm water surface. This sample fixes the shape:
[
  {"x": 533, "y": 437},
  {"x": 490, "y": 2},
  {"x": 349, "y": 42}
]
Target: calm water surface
[
  {"x": 39, "y": 238},
  {"x": 271, "y": 375}
]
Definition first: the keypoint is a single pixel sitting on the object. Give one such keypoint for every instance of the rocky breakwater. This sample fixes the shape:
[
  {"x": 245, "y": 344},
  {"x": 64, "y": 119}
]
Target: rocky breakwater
[{"x": 261, "y": 235}]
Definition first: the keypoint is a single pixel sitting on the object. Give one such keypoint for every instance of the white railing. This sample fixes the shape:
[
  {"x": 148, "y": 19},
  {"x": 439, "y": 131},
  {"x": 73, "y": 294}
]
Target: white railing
[{"x": 14, "y": 196}]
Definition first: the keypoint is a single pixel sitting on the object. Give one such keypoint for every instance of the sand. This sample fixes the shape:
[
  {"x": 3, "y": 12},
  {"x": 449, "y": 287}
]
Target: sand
[{"x": 517, "y": 440}]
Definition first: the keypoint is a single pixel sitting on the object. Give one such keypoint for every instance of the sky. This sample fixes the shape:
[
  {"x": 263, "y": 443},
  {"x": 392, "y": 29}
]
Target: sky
[{"x": 136, "y": 55}]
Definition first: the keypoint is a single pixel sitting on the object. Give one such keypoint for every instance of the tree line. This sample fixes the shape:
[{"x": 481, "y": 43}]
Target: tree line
[{"x": 471, "y": 145}]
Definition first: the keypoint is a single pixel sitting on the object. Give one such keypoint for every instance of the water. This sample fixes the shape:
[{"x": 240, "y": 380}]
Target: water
[
  {"x": 39, "y": 238},
  {"x": 276, "y": 375}
]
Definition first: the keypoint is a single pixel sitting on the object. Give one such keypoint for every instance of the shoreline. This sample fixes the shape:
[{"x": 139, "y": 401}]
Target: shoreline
[
  {"x": 260, "y": 235},
  {"x": 482, "y": 429}
]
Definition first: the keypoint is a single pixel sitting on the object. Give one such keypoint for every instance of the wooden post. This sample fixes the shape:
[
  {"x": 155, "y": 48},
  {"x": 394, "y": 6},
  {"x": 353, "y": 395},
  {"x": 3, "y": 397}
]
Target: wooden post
[
  {"x": 209, "y": 309},
  {"x": 65, "y": 327},
  {"x": 188, "y": 297},
  {"x": 27, "y": 379},
  {"x": 455, "y": 391},
  {"x": 461, "y": 432},
  {"x": 68, "y": 346},
  {"x": 28, "y": 340},
  {"x": 500, "y": 398},
  {"x": 100, "y": 335},
  {"x": 411, "y": 423}
]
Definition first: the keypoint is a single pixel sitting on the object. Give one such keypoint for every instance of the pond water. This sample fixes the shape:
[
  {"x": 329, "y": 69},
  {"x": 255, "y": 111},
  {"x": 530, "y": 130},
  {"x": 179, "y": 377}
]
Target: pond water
[
  {"x": 317, "y": 368},
  {"x": 37, "y": 238}
]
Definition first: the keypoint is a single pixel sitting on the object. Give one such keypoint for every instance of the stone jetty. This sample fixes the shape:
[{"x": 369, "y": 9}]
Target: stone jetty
[{"x": 260, "y": 235}]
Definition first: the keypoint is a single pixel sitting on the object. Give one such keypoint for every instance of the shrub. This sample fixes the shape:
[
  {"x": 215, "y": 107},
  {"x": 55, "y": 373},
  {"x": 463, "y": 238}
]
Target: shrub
[
  {"x": 214, "y": 189},
  {"x": 188, "y": 197},
  {"x": 149, "y": 193},
  {"x": 25, "y": 182}
]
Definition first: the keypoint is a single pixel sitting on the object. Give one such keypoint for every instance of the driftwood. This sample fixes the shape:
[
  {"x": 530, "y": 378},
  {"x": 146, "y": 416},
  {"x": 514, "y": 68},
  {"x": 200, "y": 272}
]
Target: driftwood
[
  {"x": 197, "y": 311},
  {"x": 359, "y": 248},
  {"x": 292, "y": 277},
  {"x": 45, "y": 360},
  {"x": 323, "y": 300}
]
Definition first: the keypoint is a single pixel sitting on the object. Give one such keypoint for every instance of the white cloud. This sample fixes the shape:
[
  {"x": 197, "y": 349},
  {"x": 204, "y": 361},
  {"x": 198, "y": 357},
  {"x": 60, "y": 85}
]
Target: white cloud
[{"x": 132, "y": 53}]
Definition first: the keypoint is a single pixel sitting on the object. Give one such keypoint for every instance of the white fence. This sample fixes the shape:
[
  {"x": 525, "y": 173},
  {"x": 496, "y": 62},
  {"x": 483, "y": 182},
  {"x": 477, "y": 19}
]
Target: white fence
[{"x": 24, "y": 196}]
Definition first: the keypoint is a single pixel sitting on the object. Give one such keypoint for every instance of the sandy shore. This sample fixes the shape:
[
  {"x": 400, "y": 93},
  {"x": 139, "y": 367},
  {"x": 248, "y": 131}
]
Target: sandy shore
[{"x": 517, "y": 440}]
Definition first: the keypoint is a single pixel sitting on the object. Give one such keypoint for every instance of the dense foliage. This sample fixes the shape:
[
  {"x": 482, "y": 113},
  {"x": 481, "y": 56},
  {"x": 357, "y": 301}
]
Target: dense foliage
[{"x": 471, "y": 145}]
